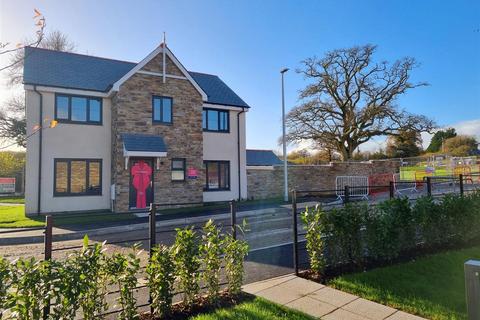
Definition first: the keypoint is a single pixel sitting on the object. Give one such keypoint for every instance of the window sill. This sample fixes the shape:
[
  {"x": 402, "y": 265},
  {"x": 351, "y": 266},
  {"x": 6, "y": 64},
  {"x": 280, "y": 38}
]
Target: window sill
[
  {"x": 162, "y": 123},
  {"x": 215, "y": 131},
  {"x": 90, "y": 123},
  {"x": 216, "y": 190},
  {"x": 77, "y": 195}
]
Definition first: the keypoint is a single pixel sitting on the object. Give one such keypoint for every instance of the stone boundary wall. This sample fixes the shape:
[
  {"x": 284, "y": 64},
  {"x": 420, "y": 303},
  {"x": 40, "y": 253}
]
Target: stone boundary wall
[{"x": 267, "y": 182}]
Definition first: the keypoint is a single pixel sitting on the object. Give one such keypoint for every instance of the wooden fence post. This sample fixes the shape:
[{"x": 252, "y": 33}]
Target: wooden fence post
[
  {"x": 295, "y": 231},
  {"x": 233, "y": 218},
  {"x": 48, "y": 254}
]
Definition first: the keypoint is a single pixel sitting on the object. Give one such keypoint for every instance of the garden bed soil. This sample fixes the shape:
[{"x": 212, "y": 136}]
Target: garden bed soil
[
  {"x": 406, "y": 256},
  {"x": 202, "y": 305}
]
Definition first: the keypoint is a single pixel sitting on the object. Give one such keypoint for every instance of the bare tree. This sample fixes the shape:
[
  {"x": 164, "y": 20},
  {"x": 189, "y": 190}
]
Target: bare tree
[
  {"x": 7, "y": 48},
  {"x": 54, "y": 40},
  {"x": 352, "y": 99},
  {"x": 12, "y": 115}
]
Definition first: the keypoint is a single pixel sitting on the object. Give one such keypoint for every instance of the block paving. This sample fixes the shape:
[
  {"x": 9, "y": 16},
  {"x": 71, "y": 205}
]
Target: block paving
[{"x": 321, "y": 301}]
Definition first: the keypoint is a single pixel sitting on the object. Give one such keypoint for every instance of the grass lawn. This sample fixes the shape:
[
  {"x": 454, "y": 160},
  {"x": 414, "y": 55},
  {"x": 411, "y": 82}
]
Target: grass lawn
[
  {"x": 257, "y": 309},
  {"x": 12, "y": 199},
  {"x": 432, "y": 286},
  {"x": 14, "y": 217}
]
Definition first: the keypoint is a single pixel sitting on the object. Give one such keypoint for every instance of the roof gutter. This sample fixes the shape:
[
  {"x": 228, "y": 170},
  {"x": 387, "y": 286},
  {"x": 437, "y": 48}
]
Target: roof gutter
[
  {"x": 40, "y": 140},
  {"x": 238, "y": 154}
]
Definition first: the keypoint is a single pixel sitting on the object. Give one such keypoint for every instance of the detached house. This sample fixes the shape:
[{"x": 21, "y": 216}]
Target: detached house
[{"x": 129, "y": 134}]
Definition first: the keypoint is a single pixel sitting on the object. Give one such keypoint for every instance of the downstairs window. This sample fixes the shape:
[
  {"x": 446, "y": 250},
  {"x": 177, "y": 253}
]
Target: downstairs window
[
  {"x": 217, "y": 175},
  {"x": 77, "y": 177}
]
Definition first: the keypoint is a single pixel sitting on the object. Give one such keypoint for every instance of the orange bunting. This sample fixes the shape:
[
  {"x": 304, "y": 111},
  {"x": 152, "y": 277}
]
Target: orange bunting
[
  {"x": 36, "y": 127},
  {"x": 37, "y": 13},
  {"x": 53, "y": 123}
]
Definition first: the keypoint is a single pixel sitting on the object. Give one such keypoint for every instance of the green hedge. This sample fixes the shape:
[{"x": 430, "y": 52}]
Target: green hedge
[
  {"x": 358, "y": 233},
  {"x": 80, "y": 284}
]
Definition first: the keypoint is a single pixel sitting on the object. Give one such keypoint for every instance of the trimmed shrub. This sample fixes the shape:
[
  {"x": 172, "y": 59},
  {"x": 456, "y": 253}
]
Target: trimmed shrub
[
  {"x": 432, "y": 222},
  {"x": 314, "y": 225},
  {"x": 161, "y": 278},
  {"x": 122, "y": 270},
  {"x": 187, "y": 263},
  {"x": 68, "y": 287},
  {"x": 461, "y": 216},
  {"x": 211, "y": 250},
  {"x": 382, "y": 232},
  {"x": 78, "y": 284},
  {"x": 343, "y": 227},
  {"x": 235, "y": 252},
  {"x": 91, "y": 260},
  {"x": 29, "y": 285},
  {"x": 5, "y": 283}
]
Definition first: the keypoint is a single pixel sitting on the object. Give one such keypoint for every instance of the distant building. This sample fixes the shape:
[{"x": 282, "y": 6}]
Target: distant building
[{"x": 262, "y": 158}]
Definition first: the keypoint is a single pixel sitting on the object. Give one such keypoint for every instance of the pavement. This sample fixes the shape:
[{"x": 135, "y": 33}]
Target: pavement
[{"x": 321, "y": 301}]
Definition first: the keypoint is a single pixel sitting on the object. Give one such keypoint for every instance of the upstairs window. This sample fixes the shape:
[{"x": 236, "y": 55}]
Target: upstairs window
[
  {"x": 215, "y": 120},
  {"x": 162, "y": 109},
  {"x": 78, "y": 109}
]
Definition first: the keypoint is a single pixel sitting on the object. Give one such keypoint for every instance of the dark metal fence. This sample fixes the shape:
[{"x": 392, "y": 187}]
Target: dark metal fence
[
  {"x": 428, "y": 185},
  {"x": 151, "y": 238}
]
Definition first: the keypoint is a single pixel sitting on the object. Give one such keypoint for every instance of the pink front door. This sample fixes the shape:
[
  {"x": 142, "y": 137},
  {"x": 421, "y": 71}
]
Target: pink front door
[{"x": 141, "y": 183}]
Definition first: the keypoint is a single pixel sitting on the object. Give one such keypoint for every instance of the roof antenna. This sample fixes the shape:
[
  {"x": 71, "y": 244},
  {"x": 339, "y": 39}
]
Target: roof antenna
[{"x": 164, "y": 48}]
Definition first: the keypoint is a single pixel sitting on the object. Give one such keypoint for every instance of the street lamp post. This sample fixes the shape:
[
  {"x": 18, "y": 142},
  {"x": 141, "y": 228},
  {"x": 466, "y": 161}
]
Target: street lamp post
[{"x": 285, "y": 170}]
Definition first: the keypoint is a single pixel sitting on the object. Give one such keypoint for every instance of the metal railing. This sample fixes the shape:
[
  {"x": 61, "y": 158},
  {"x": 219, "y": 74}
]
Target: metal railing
[
  {"x": 429, "y": 184},
  {"x": 48, "y": 242}
]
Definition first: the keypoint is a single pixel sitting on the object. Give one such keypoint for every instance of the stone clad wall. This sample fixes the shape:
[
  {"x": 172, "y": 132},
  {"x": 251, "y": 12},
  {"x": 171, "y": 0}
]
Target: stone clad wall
[
  {"x": 132, "y": 113},
  {"x": 268, "y": 183}
]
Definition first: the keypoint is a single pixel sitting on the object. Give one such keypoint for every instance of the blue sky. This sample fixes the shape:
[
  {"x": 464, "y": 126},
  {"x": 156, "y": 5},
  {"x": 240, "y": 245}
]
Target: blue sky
[{"x": 246, "y": 43}]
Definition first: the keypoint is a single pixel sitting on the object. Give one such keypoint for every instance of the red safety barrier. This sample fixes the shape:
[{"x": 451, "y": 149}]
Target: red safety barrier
[{"x": 379, "y": 183}]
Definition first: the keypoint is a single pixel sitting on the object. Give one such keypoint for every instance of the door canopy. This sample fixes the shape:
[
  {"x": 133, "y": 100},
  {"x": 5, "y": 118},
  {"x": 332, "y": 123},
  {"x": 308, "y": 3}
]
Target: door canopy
[{"x": 143, "y": 145}]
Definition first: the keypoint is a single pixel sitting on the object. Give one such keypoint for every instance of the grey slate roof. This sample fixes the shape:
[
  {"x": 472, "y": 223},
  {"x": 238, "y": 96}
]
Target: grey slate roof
[
  {"x": 217, "y": 91},
  {"x": 262, "y": 158},
  {"x": 70, "y": 70},
  {"x": 143, "y": 142},
  {"x": 76, "y": 71}
]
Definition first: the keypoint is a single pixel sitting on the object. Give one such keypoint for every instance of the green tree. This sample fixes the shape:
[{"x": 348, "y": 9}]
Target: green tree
[
  {"x": 438, "y": 138},
  {"x": 406, "y": 144},
  {"x": 11, "y": 163},
  {"x": 461, "y": 146}
]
